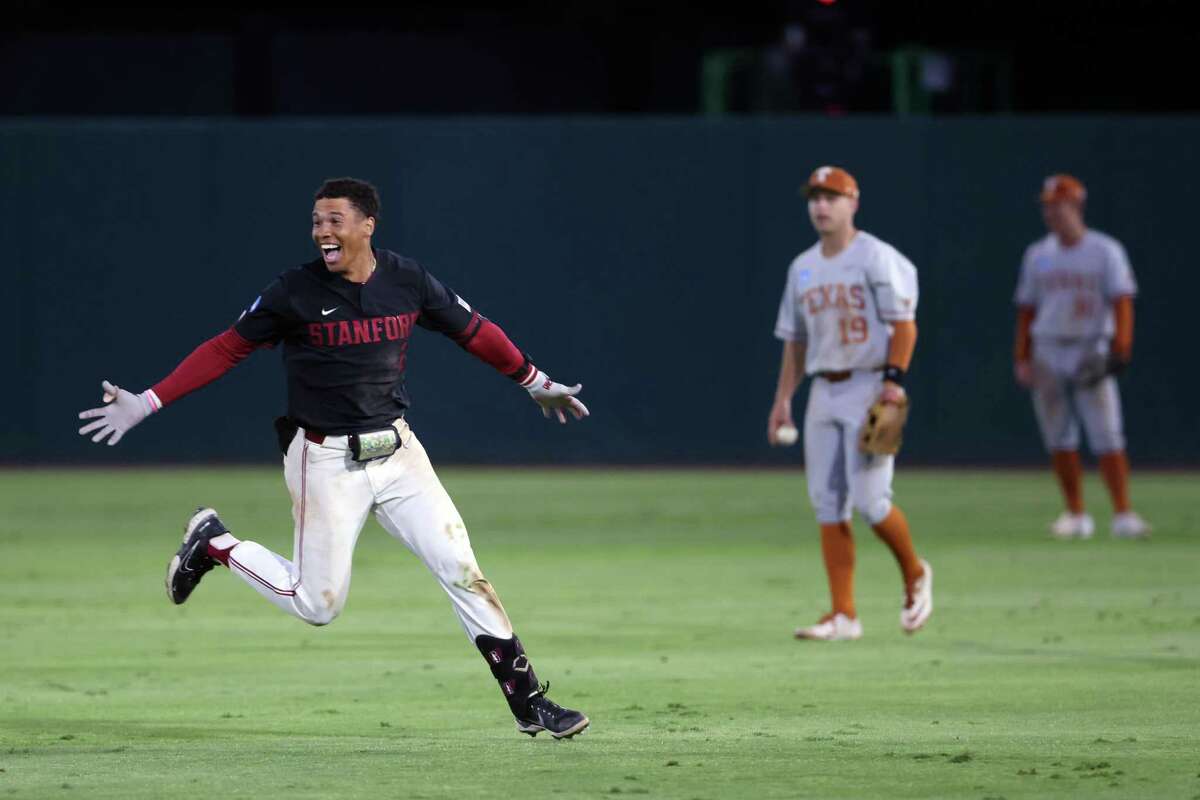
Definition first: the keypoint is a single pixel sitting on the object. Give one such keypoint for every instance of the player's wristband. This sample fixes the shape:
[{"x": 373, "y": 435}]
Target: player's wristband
[
  {"x": 150, "y": 401},
  {"x": 525, "y": 373},
  {"x": 893, "y": 374},
  {"x": 536, "y": 380}
]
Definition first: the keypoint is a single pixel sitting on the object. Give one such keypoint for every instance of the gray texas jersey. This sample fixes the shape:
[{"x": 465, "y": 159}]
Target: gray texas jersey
[
  {"x": 1073, "y": 288},
  {"x": 843, "y": 307}
]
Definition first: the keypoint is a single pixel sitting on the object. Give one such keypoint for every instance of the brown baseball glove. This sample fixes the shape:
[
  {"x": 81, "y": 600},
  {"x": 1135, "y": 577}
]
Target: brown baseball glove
[{"x": 883, "y": 431}]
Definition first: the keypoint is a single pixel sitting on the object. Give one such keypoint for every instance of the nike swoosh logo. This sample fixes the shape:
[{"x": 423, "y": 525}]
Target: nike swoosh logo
[{"x": 325, "y": 313}]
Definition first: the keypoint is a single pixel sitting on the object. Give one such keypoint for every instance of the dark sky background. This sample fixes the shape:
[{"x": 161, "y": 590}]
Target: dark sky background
[{"x": 582, "y": 57}]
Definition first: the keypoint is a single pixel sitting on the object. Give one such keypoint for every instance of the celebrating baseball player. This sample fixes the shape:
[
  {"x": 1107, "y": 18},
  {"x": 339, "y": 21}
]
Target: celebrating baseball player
[
  {"x": 344, "y": 321},
  {"x": 847, "y": 319},
  {"x": 1074, "y": 335}
]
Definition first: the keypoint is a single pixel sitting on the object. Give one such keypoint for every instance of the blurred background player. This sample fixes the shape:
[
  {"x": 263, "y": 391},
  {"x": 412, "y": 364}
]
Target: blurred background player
[
  {"x": 847, "y": 318},
  {"x": 1074, "y": 335}
]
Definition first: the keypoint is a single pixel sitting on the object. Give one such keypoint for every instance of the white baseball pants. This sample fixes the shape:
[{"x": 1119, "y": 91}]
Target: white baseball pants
[
  {"x": 840, "y": 477},
  {"x": 332, "y": 496},
  {"x": 1060, "y": 405}
]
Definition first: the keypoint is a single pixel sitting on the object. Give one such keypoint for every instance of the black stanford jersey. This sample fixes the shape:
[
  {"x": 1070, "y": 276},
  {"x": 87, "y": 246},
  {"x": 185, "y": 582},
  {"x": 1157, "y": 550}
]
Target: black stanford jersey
[{"x": 345, "y": 344}]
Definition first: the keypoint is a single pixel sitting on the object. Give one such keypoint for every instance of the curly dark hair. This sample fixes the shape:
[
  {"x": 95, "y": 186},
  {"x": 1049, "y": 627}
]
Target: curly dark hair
[{"x": 361, "y": 194}]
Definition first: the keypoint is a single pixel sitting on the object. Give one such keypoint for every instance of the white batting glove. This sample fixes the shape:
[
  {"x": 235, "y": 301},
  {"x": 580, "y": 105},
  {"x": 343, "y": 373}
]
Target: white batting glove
[
  {"x": 122, "y": 410},
  {"x": 555, "y": 397}
]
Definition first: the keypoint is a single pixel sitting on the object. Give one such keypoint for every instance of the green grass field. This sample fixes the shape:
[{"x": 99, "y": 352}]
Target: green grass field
[{"x": 660, "y": 602}]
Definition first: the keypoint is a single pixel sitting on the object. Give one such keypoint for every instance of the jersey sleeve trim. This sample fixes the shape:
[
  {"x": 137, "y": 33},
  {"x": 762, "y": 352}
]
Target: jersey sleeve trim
[
  {"x": 472, "y": 329},
  {"x": 790, "y": 336}
]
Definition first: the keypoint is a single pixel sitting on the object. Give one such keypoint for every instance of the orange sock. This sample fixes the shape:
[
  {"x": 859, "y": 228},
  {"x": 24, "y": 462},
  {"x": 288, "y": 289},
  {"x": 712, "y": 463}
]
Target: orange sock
[
  {"x": 1070, "y": 478},
  {"x": 1115, "y": 469},
  {"x": 837, "y": 546},
  {"x": 893, "y": 530}
]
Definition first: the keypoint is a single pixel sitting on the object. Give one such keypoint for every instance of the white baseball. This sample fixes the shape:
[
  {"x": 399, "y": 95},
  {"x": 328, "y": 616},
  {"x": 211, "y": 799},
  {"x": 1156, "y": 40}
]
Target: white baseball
[{"x": 786, "y": 435}]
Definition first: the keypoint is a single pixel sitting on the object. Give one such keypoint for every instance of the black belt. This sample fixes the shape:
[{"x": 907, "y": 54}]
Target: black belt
[{"x": 316, "y": 437}]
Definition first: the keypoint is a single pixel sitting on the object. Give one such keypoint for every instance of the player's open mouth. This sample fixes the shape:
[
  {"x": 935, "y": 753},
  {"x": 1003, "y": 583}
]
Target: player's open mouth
[{"x": 331, "y": 253}]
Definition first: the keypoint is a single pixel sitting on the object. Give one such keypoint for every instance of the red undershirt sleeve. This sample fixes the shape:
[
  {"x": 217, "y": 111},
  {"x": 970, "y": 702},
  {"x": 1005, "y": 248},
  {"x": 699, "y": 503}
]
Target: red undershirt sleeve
[
  {"x": 486, "y": 341},
  {"x": 206, "y": 363}
]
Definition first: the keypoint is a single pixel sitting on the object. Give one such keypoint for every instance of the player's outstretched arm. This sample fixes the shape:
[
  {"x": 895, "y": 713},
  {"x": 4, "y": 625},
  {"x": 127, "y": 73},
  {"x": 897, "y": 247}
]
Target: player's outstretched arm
[
  {"x": 486, "y": 341},
  {"x": 122, "y": 410},
  {"x": 448, "y": 313}
]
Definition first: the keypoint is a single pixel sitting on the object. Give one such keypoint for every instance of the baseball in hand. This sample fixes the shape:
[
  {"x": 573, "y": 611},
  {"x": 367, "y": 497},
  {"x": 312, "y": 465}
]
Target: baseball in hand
[{"x": 786, "y": 435}]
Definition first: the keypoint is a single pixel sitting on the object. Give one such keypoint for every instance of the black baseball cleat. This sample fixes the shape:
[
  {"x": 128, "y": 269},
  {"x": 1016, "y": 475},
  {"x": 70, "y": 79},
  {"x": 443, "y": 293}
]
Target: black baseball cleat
[
  {"x": 192, "y": 560},
  {"x": 543, "y": 714}
]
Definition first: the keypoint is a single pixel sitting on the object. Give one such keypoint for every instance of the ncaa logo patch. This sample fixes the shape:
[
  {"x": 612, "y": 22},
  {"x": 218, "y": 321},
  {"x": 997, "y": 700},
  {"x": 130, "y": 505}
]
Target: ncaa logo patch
[{"x": 803, "y": 276}]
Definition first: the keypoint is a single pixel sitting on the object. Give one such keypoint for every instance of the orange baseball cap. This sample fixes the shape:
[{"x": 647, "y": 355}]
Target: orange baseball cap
[
  {"x": 1063, "y": 187},
  {"x": 832, "y": 179}
]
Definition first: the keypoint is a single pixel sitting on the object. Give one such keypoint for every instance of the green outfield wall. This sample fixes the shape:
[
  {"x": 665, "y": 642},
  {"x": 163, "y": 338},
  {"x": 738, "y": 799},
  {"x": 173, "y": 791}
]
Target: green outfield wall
[{"x": 642, "y": 257}]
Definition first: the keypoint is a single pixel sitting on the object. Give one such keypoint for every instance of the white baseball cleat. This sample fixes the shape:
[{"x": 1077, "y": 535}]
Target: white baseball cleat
[
  {"x": 918, "y": 601},
  {"x": 1130, "y": 525},
  {"x": 832, "y": 628},
  {"x": 1073, "y": 526}
]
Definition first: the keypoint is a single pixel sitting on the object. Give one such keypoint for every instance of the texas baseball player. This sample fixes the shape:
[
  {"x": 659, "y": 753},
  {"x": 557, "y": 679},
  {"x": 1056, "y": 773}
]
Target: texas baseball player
[
  {"x": 345, "y": 320},
  {"x": 847, "y": 319},
  {"x": 1074, "y": 334}
]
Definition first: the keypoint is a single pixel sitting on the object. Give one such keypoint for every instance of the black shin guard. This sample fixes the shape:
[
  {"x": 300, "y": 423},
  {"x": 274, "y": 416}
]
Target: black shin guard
[{"x": 511, "y": 668}]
